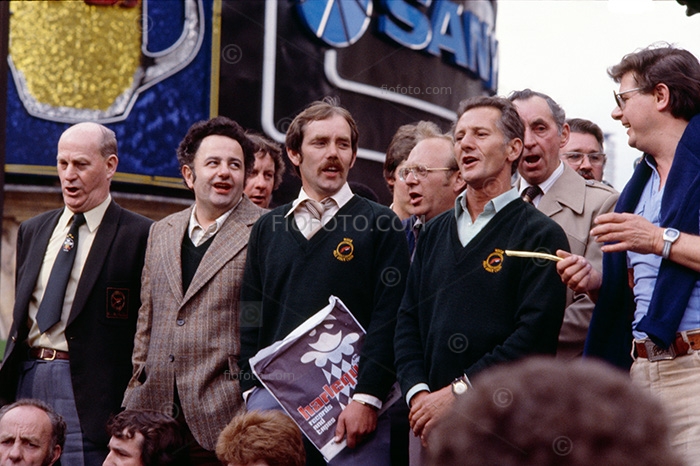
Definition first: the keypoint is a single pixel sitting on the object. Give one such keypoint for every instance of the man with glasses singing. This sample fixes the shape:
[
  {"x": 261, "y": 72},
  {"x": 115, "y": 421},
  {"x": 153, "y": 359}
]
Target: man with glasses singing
[
  {"x": 584, "y": 151},
  {"x": 433, "y": 180},
  {"x": 557, "y": 191},
  {"x": 648, "y": 296}
]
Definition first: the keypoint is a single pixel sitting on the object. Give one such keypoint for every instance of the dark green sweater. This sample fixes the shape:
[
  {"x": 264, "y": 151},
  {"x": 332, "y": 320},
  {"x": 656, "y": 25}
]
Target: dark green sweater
[
  {"x": 360, "y": 256},
  {"x": 468, "y": 308}
]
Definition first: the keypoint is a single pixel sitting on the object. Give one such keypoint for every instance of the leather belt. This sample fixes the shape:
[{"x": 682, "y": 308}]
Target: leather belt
[
  {"x": 680, "y": 347},
  {"x": 47, "y": 354}
]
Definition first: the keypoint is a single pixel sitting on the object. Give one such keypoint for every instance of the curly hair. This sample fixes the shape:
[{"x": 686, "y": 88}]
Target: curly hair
[
  {"x": 545, "y": 412},
  {"x": 269, "y": 436},
  {"x": 264, "y": 146},
  {"x": 163, "y": 440},
  {"x": 220, "y": 126}
]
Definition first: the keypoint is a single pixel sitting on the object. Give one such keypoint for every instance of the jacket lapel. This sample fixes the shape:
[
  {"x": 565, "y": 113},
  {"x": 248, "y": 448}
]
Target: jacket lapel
[
  {"x": 170, "y": 251},
  {"x": 229, "y": 241},
  {"x": 568, "y": 190},
  {"x": 33, "y": 263},
  {"x": 96, "y": 258}
]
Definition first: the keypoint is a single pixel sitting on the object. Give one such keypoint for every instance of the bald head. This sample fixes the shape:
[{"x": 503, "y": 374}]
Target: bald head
[
  {"x": 27, "y": 436},
  {"x": 86, "y": 162}
]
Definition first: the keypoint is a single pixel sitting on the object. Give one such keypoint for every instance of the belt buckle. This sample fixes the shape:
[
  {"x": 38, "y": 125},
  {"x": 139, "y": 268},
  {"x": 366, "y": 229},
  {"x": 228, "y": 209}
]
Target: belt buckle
[
  {"x": 52, "y": 356},
  {"x": 656, "y": 353}
]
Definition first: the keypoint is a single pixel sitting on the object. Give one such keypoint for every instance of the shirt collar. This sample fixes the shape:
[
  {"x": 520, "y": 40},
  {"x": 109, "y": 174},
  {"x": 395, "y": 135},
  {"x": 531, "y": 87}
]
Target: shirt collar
[
  {"x": 495, "y": 204},
  {"x": 93, "y": 217},
  {"x": 214, "y": 227},
  {"x": 341, "y": 198},
  {"x": 546, "y": 184}
]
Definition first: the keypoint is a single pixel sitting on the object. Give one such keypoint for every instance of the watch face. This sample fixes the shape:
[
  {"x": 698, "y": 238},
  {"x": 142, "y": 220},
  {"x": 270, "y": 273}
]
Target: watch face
[
  {"x": 671, "y": 234},
  {"x": 459, "y": 387}
]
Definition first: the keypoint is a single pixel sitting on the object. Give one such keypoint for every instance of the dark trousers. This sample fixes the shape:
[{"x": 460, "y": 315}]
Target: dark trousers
[
  {"x": 50, "y": 382},
  {"x": 199, "y": 456}
]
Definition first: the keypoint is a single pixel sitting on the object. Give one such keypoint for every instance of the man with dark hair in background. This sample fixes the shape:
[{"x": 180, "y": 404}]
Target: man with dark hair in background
[
  {"x": 584, "y": 150},
  {"x": 77, "y": 297},
  {"x": 544, "y": 411},
  {"x": 267, "y": 173},
  {"x": 186, "y": 346},
  {"x": 145, "y": 438}
]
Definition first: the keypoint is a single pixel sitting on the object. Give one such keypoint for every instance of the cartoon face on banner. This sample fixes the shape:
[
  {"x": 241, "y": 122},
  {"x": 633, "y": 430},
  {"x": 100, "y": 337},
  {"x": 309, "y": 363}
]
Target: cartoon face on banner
[
  {"x": 89, "y": 60},
  {"x": 335, "y": 354},
  {"x": 330, "y": 346}
]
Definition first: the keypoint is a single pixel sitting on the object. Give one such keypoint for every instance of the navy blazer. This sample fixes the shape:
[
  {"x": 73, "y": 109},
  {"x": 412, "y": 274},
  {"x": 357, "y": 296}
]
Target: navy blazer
[{"x": 102, "y": 322}]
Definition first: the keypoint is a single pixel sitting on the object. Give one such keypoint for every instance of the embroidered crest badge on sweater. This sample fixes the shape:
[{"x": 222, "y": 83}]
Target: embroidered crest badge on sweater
[
  {"x": 494, "y": 261},
  {"x": 344, "y": 251}
]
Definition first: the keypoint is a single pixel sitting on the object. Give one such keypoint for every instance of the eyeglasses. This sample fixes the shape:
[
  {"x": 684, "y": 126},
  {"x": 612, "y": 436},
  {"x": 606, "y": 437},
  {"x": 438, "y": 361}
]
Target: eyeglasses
[
  {"x": 420, "y": 171},
  {"x": 619, "y": 100},
  {"x": 575, "y": 159}
]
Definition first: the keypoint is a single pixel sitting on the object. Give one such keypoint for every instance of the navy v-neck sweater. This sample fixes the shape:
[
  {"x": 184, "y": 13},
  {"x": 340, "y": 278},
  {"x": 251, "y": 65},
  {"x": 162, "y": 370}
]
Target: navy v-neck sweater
[
  {"x": 361, "y": 256},
  {"x": 469, "y": 307}
]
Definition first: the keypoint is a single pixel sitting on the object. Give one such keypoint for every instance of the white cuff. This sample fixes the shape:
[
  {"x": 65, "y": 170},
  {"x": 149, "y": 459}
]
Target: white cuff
[
  {"x": 369, "y": 399},
  {"x": 246, "y": 394},
  {"x": 419, "y": 387}
]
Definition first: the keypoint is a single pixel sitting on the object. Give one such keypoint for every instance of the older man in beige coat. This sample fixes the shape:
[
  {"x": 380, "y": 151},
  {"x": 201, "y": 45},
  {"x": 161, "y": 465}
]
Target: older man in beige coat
[
  {"x": 186, "y": 348},
  {"x": 565, "y": 197}
]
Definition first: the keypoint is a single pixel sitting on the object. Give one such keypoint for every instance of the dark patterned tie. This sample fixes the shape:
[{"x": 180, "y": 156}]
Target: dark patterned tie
[
  {"x": 52, "y": 303},
  {"x": 531, "y": 192}
]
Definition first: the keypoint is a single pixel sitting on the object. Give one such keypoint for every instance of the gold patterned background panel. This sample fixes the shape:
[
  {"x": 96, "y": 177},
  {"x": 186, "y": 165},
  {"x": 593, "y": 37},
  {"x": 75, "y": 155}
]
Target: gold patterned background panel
[{"x": 76, "y": 55}]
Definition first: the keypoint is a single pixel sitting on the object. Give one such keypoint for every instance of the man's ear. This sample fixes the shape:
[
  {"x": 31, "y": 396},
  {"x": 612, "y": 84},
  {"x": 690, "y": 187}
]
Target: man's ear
[
  {"x": 565, "y": 134},
  {"x": 514, "y": 149},
  {"x": 294, "y": 157},
  {"x": 662, "y": 97},
  {"x": 111, "y": 162},
  {"x": 459, "y": 183},
  {"x": 188, "y": 175},
  {"x": 56, "y": 454}
]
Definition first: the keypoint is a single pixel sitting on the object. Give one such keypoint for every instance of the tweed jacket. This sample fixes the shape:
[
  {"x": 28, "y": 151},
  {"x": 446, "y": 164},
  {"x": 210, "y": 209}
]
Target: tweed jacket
[
  {"x": 192, "y": 341},
  {"x": 101, "y": 325},
  {"x": 574, "y": 202}
]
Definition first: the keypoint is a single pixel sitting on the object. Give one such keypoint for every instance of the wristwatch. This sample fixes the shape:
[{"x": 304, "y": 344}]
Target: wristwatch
[
  {"x": 460, "y": 385},
  {"x": 670, "y": 237}
]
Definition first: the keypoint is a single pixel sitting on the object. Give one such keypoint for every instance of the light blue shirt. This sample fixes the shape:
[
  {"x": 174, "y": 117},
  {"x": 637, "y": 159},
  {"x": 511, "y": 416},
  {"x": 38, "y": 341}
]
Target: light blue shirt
[
  {"x": 467, "y": 229},
  {"x": 646, "y": 266}
]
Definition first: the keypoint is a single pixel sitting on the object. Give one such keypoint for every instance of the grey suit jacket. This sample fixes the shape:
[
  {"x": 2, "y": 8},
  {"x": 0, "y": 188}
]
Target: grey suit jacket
[
  {"x": 574, "y": 202},
  {"x": 191, "y": 341}
]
